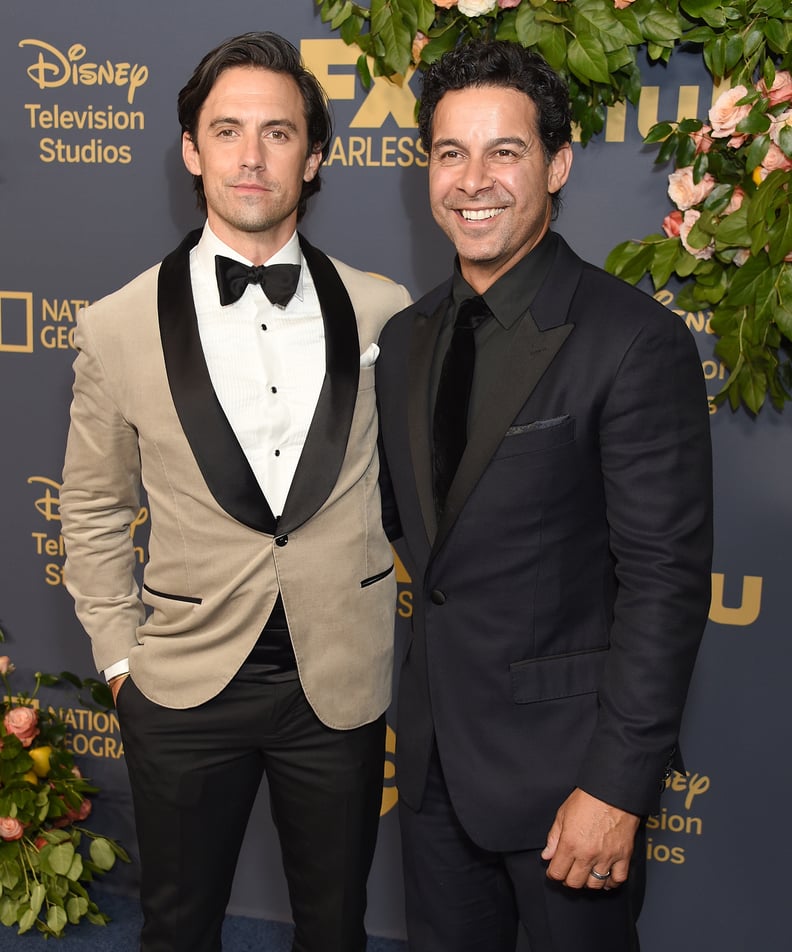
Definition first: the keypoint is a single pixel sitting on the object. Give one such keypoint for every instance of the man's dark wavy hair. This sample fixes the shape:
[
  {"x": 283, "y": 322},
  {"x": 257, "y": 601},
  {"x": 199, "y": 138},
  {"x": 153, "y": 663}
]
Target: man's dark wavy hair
[
  {"x": 500, "y": 63},
  {"x": 265, "y": 51}
]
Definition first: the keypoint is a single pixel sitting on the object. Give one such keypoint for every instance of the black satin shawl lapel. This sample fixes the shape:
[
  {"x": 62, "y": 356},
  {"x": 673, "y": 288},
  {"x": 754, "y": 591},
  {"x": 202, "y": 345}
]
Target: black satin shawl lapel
[
  {"x": 423, "y": 340},
  {"x": 214, "y": 445},
  {"x": 535, "y": 347},
  {"x": 326, "y": 442}
]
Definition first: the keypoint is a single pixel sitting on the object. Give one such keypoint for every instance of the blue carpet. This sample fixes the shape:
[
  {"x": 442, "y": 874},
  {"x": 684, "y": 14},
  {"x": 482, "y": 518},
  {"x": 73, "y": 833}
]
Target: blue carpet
[{"x": 240, "y": 934}]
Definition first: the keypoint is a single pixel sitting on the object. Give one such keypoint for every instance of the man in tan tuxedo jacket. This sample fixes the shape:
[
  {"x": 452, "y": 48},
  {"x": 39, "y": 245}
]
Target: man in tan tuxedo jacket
[{"x": 241, "y": 398}]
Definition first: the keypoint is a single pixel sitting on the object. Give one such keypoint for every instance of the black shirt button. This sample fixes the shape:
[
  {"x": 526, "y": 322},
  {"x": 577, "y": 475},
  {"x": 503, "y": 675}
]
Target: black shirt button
[
  {"x": 281, "y": 540},
  {"x": 438, "y": 597}
]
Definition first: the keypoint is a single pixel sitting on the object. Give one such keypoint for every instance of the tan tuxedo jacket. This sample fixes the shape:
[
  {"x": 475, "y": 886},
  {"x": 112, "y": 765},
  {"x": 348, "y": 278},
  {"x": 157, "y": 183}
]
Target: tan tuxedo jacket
[{"x": 144, "y": 414}]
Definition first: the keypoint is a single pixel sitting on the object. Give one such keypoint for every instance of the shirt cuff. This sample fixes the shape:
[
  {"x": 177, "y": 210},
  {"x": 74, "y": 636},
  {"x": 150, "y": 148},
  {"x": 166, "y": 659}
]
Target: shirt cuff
[{"x": 120, "y": 667}]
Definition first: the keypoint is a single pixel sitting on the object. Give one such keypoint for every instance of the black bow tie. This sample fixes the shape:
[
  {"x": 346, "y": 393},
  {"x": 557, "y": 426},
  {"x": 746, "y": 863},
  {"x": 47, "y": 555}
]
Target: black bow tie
[{"x": 279, "y": 281}]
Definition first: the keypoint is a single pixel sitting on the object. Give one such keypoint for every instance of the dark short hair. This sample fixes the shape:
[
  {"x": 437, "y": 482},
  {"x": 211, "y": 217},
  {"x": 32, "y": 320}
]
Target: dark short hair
[
  {"x": 500, "y": 63},
  {"x": 264, "y": 51}
]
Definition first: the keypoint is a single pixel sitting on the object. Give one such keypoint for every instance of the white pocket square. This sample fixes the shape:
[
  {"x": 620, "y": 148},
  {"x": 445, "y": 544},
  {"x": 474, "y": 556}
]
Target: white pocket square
[{"x": 369, "y": 355}]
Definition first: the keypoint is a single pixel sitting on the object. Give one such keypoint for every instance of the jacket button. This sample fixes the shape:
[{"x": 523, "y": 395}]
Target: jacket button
[
  {"x": 282, "y": 540},
  {"x": 438, "y": 597}
]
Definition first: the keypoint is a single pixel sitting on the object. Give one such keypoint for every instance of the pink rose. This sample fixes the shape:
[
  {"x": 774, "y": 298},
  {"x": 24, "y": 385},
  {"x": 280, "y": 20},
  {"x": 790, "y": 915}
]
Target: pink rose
[
  {"x": 725, "y": 114},
  {"x": 622, "y": 4},
  {"x": 22, "y": 721},
  {"x": 780, "y": 91},
  {"x": 702, "y": 139},
  {"x": 81, "y": 813},
  {"x": 776, "y": 159},
  {"x": 689, "y": 220},
  {"x": 11, "y": 828},
  {"x": 6, "y": 667},
  {"x": 445, "y": 4},
  {"x": 736, "y": 200},
  {"x": 684, "y": 192},
  {"x": 508, "y": 4},
  {"x": 672, "y": 223}
]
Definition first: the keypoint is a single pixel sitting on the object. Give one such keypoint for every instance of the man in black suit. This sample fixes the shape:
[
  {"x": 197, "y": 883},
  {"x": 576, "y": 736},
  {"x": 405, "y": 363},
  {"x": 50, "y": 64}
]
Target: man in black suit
[{"x": 561, "y": 557}]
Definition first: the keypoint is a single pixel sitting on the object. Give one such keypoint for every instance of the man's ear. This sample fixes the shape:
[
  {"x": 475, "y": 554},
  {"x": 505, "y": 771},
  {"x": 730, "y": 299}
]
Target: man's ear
[
  {"x": 559, "y": 168},
  {"x": 312, "y": 164},
  {"x": 190, "y": 154}
]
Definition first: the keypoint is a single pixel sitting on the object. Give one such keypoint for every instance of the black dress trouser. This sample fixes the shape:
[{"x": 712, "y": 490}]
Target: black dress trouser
[{"x": 194, "y": 775}]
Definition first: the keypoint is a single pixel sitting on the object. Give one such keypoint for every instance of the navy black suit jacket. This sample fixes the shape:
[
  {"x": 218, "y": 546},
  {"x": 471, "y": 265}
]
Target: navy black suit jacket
[{"x": 559, "y": 604}]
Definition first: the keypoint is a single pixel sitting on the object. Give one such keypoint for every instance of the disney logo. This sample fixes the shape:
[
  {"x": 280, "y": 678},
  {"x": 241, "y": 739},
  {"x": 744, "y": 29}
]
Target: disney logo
[
  {"x": 53, "y": 68},
  {"x": 692, "y": 785},
  {"x": 47, "y": 505}
]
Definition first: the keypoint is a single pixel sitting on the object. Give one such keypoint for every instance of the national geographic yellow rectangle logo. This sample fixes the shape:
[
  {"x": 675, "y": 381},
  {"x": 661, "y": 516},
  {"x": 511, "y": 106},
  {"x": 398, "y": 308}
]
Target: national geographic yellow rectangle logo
[{"x": 16, "y": 322}]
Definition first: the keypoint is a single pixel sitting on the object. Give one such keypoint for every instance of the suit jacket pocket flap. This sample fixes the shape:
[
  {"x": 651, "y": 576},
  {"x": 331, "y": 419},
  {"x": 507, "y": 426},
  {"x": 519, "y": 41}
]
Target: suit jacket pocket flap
[{"x": 558, "y": 676}]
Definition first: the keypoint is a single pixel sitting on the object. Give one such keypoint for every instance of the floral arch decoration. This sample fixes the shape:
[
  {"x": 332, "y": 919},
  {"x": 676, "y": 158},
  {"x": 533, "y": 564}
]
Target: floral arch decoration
[{"x": 729, "y": 236}]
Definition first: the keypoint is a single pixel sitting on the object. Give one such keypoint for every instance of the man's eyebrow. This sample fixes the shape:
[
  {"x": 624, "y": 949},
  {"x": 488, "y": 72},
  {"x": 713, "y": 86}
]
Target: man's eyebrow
[
  {"x": 492, "y": 144},
  {"x": 233, "y": 121}
]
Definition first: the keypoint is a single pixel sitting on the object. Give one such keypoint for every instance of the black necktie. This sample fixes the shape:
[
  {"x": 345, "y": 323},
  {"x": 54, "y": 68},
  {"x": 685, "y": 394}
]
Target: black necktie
[
  {"x": 279, "y": 281},
  {"x": 449, "y": 430}
]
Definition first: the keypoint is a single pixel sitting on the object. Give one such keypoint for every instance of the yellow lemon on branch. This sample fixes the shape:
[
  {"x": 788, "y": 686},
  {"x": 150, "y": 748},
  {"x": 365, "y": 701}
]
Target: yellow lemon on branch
[{"x": 41, "y": 759}]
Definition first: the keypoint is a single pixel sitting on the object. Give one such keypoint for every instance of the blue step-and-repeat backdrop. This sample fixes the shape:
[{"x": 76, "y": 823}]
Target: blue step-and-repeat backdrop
[{"x": 93, "y": 191}]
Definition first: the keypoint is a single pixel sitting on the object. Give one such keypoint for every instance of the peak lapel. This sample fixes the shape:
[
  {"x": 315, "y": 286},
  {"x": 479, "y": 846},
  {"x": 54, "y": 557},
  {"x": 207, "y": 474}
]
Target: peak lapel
[
  {"x": 215, "y": 447},
  {"x": 326, "y": 442}
]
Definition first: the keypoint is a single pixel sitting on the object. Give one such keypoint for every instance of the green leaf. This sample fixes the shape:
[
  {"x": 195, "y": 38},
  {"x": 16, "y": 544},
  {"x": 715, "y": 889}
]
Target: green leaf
[
  {"x": 27, "y": 919},
  {"x": 753, "y": 387},
  {"x": 76, "y": 908},
  {"x": 664, "y": 261},
  {"x": 351, "y": 29},
  {"x": 733, "y": 52},
  {"x": 776, "y": 36},
  {"x": 785, "y": 140},
  {"x": 552, "y": 45},
  {"x": 715, "y": 57},
  {"x": 755, "y": 123},
  {"x": 733, "y": 229},
  {"x": 528, "y": 29},
  {"x": 76, "y": 868},
  {"x": 60, "y": 858},
  {"x": 659, "y": 132},
  {"x": 661, "y": 26},
  {"x": 102, "y": 853},
  {"x": 57, "y": 919},
  {"x": 705, "y": 10},
  {"x": 756, "y": 152},
  {"x": 37, "y": 894},
  {"x": 364, "y": 73},
  {"x": 780, "y": 236},
  {"x": 753, "y": 40},
  {"x": 440, "y": 44},
  {"x": 388, "y": 23},
  {"x": 753, "y": 284},
  {"x": 783, "y": 314},
  {"x": 8, "y": 910},
  {"x": 587, "y": 60}
]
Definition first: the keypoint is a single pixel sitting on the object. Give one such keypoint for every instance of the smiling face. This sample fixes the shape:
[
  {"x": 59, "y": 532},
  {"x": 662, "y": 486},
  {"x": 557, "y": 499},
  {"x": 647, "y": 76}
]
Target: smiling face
[
  {"x": 251, "y": 151},
  {"x": 489, "y": 181}
]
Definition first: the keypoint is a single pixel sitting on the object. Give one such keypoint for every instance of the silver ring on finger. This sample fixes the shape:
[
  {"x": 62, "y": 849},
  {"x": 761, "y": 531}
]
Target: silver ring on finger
[{"x": 601, "y": 877}]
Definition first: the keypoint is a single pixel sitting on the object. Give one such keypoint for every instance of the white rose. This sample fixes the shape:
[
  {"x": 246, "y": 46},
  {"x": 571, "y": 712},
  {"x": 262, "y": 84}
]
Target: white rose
[{"x": 476, "y": 8}]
